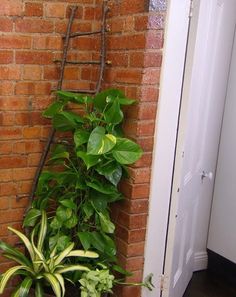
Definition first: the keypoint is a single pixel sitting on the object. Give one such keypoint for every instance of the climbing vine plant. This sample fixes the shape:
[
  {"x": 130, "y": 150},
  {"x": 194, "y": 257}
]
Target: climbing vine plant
[{"x": 80, "y": 181}]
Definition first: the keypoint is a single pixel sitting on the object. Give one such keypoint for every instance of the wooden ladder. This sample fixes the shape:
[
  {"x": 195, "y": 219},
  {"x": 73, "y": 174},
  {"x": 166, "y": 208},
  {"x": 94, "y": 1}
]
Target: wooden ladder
[{"x": 63, "y": 62}]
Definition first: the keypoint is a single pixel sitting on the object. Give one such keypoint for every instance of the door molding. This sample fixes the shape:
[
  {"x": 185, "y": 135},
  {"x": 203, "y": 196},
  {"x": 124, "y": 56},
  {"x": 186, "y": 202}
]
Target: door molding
[{"x": 176, "y": 37}]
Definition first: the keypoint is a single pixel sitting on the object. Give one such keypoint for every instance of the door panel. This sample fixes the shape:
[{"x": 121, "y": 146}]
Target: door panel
[
  {"x": 202, "y": 107},
  {"x": 222, "y": 236}
]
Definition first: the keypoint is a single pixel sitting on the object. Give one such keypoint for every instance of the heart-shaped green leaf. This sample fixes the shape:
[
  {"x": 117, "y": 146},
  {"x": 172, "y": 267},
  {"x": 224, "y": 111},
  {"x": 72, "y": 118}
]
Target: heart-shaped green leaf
[
  {"x": 126, "y": 151},
  {"x": 66, "y": 121},
  {"x": 105, "y": 97},
  {"x": 81, "y": 137},
  {"x": 114, "y": 114},
  {"x": 53, "y": 109},
  {"x": 89, "y": 160},
  {"x": 100, "y": 143}
]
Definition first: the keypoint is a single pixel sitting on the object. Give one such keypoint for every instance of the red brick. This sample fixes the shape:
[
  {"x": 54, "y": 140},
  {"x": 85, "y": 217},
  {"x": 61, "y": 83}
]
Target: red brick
[
  {"x": 134, "y": 264},
  {"x": 34, "y": 26},
  {"x": 41, "y": 102},
  {"x": 141, "y": 22},
  {"x": 151, "y": 76},
  {"x": 118, "y": 59},
  {"x": 10, "y": 133},
  {"x": 5, "y": 147},
  {"x": 116, "y": 25},
  {"x": 31, "y": 132},
  {"x": 24, "y": 187},
  {"x": 146, "y": 128},
  {"x": 34, "y": 57},
  {"x": 51, "y": 72},
  {"x": 10, "y": 72},
  {"x": 34, "y": 146},
  {"x": 136, "y": 235},
  {"x": 6, "y": 88},
  {"x": 23, "y": 173},
  {"x": 6, "y": 25},
  {"x": 146, "y": 159},
  {"x": 7, "y": 189},
  {"x": 136, "y": 41},
  {"x": 38, "y": 119},
  {"x": 137, "y": 191},
  {"x": 132, "y": 221},
  {"x": 132, "y": 7},
  {"x": 11, "y": 7},
  {"x": 147, "y": 111},
  {"x": 135, "y": 249},
  {"x": 32, "y": 72},
  {"x": 89, "y": 13},
  {"x": 7, "y": 118},
  {"x": 5, "y": 175},
  {"x": 31, "y": 88},
  {"x": 13, "y": 162},
  {"x": 47, "y": 42},
  {"x": 139, "y": 206},
  {"x": 14, "y": 103},
  {"x": 85, "y": 43},
  {"x": 11, "y": 216},
  {"x": 22, "y": 118},
  {"x": 33, "y": 159},
  {"x": 18, "y": 148},
  {"x": 3, "y": 230},
  {"x": 15, "y": 41},
  {"x": 156, "y": 21},
  {"x": 6, "y": 57},
  {"x": 72, "y": 73},
  {"x": 4, "y": 203},
  {"x": 33, "y": 9},
  {"x": 148, "y": 93},
  {"x": 154, "y": 40},
  {"x": 19, "y": 202},
  {"x": 128, "y": 76},
  {"x": 140, "y": 175},
  {"x": 61, "y": 25},
  {"x": 55, "y": 10}
]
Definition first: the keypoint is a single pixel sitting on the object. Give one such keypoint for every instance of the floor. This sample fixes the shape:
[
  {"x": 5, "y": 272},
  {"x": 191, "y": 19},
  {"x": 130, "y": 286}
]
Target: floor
[{"x": 203, "y": 284}]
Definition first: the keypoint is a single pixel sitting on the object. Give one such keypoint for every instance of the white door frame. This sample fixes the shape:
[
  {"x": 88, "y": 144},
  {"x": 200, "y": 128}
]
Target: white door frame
[{"x": 176, "y": 37}]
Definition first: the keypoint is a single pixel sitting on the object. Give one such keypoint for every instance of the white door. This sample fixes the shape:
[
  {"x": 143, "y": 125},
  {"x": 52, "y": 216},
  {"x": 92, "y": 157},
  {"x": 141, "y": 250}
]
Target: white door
[
  {"x": 222, "y": 235},
  {"x": 205, "y": 82}
]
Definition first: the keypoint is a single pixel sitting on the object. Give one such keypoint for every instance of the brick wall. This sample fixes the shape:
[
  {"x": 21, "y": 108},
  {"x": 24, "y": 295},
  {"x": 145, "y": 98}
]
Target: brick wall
[
  {"x": 135, "y": 48},
  {"x": 30, "y": 39}
]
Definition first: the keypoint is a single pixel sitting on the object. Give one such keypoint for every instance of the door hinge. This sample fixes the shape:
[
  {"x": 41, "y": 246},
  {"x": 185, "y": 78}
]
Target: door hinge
[
  {"x": 191, "y": 8},
  {"x": 163, "y": 280}
]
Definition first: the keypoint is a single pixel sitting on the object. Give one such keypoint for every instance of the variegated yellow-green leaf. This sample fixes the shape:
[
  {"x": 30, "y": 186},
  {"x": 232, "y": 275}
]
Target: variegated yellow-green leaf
[
  {"x": 54, "y": 283},
  {"x": 42, "y": 231},
  {"x": 72, "y": 268},
  {"x": 61, "y": 282},
  {"x": 25, "y": 240},
  {"x": 7, "y": 275},
  {"x": 64, "y": 254},
  {"x": 82, "y": 253},
  {"x": 25, "y": 287}
]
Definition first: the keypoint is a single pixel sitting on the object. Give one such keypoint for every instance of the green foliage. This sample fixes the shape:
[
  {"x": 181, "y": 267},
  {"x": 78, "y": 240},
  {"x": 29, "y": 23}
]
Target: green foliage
[
  {"x": 81, "y": 181},
  {"x": 41, "y": 267},
  {"x": 96, "y": 282},
  {"x": 91, "y": 165}
]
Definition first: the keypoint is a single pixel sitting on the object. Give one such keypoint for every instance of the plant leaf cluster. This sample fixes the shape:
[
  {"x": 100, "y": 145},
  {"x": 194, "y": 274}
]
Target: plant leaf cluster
[
  {"x": 82, "y": 177},
  {"x": 40, "y": 268}
]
